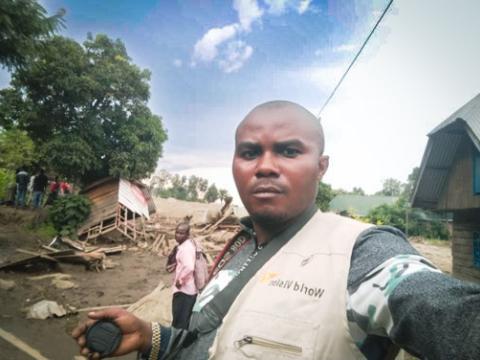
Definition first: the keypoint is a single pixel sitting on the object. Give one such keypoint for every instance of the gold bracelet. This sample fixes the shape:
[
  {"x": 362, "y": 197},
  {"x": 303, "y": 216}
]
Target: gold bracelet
[{"x": 156, "y": 337}]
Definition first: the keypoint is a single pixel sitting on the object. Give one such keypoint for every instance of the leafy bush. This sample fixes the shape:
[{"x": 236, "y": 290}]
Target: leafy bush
[
  {"x": 68, "y": 213},
  {"x": 420, "y": 222},
  {"x": 7, "y": 177}
]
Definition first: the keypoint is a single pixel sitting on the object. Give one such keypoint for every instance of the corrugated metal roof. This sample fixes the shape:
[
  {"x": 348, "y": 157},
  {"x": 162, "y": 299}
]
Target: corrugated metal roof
[
  {"x": 442, "y": 146},
  {"x": 469, "y": 113}
]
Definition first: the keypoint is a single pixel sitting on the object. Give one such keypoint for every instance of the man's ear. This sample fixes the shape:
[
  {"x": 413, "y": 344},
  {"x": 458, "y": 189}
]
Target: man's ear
[{"x": 323, "y": 162}]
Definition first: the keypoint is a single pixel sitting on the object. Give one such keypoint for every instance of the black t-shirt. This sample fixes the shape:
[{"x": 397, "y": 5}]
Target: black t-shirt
[{"x": 40, "y": 182}]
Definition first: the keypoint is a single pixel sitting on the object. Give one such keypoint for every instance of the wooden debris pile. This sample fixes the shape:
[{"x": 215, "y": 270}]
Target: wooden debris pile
[
  {"x": 160, "y": 232},
  {"x": 63, "y": 250}
]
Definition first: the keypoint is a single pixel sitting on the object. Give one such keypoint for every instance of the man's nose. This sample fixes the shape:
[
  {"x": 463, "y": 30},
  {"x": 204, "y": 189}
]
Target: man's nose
[{"x": 267, "y": 165}]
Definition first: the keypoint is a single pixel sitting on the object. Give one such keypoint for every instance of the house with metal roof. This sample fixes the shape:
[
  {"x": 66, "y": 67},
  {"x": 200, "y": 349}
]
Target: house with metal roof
[
  {"x": 118, "y": 207},
  {"x": 449, "y": 180}
]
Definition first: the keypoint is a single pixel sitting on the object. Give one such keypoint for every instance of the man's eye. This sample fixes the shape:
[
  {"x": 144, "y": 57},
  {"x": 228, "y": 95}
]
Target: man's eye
[
  {"x": 249, "y": 154},
  {"x": 290, "y": 152}
]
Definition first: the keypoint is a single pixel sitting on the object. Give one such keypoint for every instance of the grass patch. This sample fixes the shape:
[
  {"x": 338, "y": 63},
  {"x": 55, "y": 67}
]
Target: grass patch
[
  {"x": 44, "y": 231},
  {"x": 426, "y": 241},
  {"x": 437, "y": 242}
]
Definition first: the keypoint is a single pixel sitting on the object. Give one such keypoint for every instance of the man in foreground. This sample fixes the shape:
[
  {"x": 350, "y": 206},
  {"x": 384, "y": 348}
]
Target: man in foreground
[{"x": 300, "y": 284}]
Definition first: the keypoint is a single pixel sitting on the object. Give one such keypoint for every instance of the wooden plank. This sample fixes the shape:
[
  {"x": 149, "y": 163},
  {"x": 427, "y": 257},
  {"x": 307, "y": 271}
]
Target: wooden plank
[
  {"x": 36, "y": 254},
  {"x": 462, "y": 258},
  {"x": 21, "y": 345},
  {"x": 77, "y": 245},
  {"x": 462, "y": 249},
  {"x": 458, "y": 195},
  {"x": 466, "y": 273},
  {"x": 462, "y": 241},
  {"x": 95, "y": 308},
  {"x": 49, "y": 248}
]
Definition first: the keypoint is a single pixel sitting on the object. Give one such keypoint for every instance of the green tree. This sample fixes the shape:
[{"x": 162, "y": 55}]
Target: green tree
[
  {"x": 222, "y": 195},
  {"x": 87, "y": 110},
  {"x": 393, "y": 215},
  {"x": 358, "y": 191},
  {"x": 411, "y": 182},
  {"x": 7, "y": 179},
  {"x": 391, "y": 187},
  {"x": 325, "y": 194},
  {"x": 13, "y": 108},
  {"x": 212, "y": 194},
  {"x": 203, "y": 185},
  {"x": 24, "y": 24},
  {"x": 192, "y": 188},
  {"x": 16, "y": 149},
  {"x": 420, "y": 222}
]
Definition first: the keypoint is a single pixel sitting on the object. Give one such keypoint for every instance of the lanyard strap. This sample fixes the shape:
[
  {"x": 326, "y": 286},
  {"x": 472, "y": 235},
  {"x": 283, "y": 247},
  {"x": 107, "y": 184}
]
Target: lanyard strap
[
  {"x": 229, "y": 251},
  {"x": 212, "y": 314}
]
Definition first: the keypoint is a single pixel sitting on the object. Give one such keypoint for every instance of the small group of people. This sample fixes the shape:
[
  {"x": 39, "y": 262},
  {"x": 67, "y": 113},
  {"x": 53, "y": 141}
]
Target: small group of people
[{"x": 33, "y": 188}]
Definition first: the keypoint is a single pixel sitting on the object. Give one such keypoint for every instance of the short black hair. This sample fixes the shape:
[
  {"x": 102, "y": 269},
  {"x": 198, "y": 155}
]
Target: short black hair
[{"x": 307, "y": 115}]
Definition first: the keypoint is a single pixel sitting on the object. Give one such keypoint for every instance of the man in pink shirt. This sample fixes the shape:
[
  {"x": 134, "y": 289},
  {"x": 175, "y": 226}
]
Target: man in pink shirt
[{"x": 184, "y": 289}]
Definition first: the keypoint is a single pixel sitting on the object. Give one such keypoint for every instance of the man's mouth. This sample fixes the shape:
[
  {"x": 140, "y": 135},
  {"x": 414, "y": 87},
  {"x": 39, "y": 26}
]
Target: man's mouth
[{"x": 265, "y": 192}]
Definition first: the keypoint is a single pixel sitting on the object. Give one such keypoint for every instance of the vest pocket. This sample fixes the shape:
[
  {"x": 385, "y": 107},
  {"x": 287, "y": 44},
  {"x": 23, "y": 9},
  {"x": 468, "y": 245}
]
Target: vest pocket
[{"x": 261, "y": 336}]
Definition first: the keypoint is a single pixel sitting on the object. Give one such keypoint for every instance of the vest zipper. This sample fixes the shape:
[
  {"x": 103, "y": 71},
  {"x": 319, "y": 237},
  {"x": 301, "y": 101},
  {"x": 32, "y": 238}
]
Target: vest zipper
[{"x": 255, "y": 340}]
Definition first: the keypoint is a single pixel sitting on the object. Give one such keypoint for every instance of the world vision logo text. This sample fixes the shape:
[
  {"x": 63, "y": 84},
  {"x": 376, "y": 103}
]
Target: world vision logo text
[
  {"x": 298, "y": 287},
  {"x": 267, "y": 277}
]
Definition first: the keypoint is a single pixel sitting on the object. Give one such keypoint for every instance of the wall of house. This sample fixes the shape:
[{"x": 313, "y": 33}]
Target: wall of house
[
  {"x": 458, "y": 193},
  {"x": 104, "y": 199},
  {"x": 466, "y": 223}
]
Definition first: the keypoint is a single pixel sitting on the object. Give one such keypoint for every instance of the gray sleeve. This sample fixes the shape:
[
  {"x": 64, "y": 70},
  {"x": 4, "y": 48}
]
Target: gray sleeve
[
  {"x": 373, "y": 247},
  {"x": 434, "y": 315}
]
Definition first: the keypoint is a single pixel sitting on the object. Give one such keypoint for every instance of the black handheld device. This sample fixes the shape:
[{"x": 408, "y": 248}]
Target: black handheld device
[{"x": 103, "y": 337}]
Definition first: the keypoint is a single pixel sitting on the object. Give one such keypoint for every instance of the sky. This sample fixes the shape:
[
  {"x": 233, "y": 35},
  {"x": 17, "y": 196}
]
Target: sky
[{"x": 214, "y": 60}]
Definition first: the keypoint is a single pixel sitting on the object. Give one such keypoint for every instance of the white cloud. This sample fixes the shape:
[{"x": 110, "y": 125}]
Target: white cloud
[
  {"x": 303, "y": 6},
  {"x": 206, "y": 49},
  {"x": 177, "y": 63},
  {"x": 248, "y": 12},
  {"x": 276, "y": 7},
  {"x": 323, "y": 77},
  {"x": 217, "y": 43},
  {"x": 345, "y": 48},
  {"x": 232, "y": 55},
  {"x": 180, "y": 160},
  {"x": 235, "y": 55}
]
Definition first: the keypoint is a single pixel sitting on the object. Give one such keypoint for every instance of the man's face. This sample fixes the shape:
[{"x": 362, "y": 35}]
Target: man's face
[
  {"x": 181, "y": 234},
  {"x": 277, "y": 164}
]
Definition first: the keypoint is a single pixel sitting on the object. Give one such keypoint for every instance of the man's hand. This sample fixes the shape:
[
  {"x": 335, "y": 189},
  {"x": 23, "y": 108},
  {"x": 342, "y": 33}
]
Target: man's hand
[
  {"x": 178, "y": 284},
  {"x": 136, "y": 333}
]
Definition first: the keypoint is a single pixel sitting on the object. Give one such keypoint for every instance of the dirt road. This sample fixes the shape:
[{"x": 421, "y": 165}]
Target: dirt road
[{"x": 136, "y": 274}]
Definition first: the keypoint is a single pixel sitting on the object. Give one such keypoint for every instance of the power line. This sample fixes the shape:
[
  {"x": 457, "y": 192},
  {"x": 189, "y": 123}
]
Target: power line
[{"x": 355, "y": 58}]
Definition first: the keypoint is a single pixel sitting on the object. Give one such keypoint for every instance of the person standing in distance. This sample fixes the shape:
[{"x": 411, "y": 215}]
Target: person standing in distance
[{"x": 184, "y": 289}]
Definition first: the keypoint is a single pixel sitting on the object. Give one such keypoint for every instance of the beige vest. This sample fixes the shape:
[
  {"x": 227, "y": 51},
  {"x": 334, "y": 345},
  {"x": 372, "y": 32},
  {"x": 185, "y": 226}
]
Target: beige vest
[{"x": 295, "y": 306}]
